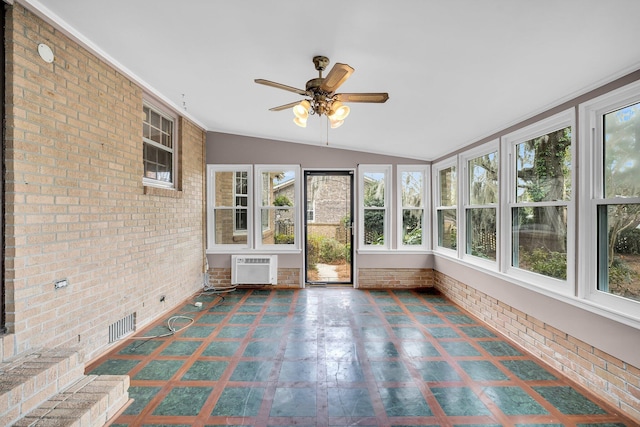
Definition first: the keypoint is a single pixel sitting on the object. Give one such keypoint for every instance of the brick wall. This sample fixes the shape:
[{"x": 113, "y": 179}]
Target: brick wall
[
  {"x": 608, "y": 377},
  {"x": 394, "y": 278},
  {"x": 76, "y": 208},
  {"x": 287, "y": 277}
]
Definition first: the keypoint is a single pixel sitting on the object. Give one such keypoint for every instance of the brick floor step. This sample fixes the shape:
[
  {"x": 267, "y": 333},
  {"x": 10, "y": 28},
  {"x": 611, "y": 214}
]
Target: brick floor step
[
  {"x": 91, "y": 402},
  {"x": 29, "y": 379}
]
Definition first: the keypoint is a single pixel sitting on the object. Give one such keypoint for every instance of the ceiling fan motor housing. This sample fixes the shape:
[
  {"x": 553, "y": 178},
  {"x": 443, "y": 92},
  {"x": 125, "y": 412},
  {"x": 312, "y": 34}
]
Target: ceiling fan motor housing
[{"x": 321, "y": 62}]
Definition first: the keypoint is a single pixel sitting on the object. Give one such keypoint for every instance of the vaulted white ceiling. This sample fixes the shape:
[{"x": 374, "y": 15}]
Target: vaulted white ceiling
[{"x": 455, "y": 70}]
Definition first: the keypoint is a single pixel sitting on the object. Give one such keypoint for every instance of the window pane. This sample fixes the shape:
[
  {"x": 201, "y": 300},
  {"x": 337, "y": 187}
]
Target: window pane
[
  {"x": 284, "y": 230},
  {"x": 374, "y": 189},
  {"x": 240, "y": 223},
  {"x": 543, "y": 168},
  {"x": 411, "y": 189},
  {"x": 278, "y": 226},
  {"x": 483, "y": 179},
  {"x": 540, "y": 240},
  {"x": 157, "y": 163},
  {"x": 448, "y": 187},
  {"x": 622, "y": 152},
  {"x": 225, "y": 221},
  {"x": 223, "y": 193},
  {"x": 619, "y": 250},
  {"x": 240, "y": 182},
  {"x": 447, "y": 228},
  {"x": 278, "y": 188},
  {"x": 412, "y": 226},
  {"x": 481, "y": 232},
  {"x": 374, "y": 226}
]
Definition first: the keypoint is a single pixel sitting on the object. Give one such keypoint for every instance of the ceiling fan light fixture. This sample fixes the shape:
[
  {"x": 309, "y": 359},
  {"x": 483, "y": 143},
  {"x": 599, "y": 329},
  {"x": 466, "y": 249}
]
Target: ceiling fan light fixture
[
  {"x": 339, "y": 111},
  {"x": 301, "y": 111},
  {"x": 300, "y": 122},
  {"x": 322, "y": 91},
  {"x": 335, "y": 123}
]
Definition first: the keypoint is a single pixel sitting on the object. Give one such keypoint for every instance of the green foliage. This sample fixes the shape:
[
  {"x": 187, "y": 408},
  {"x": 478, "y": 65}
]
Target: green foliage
[
  {"x": 549, "y": 263},
  {"x": 628, "y": 242},
  {"x": 414, "y": 237},
  {"x": 620, "y": 273},
  {"x": 374, "y": 227},
  {"x": 325, "y": 250},
  {"x": 282, "y": 200},
  {"x": 284, "y": 239}
]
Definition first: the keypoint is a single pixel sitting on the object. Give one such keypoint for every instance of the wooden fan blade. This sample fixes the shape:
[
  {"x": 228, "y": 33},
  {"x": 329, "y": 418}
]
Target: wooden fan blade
[
  {"x": 281, "y": 86},
  {"x": 285, "y": 106},
  {"x": 338, "y": 75},
  {"x": 363, "y": 97}
]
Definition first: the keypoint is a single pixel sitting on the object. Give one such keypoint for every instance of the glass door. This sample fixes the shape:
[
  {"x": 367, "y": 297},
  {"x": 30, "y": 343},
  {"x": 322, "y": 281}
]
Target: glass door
[{"x": 328, "y": 225}]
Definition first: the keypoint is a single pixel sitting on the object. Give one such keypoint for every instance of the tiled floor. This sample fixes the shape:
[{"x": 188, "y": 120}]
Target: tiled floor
[{"x": 339, "y": 357}]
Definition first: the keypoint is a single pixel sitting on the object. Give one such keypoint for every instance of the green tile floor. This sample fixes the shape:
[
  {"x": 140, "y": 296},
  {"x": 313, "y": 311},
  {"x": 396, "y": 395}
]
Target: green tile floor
[{"x": 339, "y": 357}]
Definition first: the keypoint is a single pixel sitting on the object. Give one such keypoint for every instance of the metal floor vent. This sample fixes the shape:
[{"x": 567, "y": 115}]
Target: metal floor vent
[{"x": 122, "y": 327}]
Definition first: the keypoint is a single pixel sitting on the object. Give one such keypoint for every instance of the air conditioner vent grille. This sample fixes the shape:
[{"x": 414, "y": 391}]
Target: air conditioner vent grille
[
  {"x": 254, "y": 270},
  {"x": 254, "y": 260}
]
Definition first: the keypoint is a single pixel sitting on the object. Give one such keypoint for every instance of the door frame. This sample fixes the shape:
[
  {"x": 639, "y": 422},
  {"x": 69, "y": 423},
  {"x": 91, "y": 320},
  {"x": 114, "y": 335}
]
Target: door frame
[{"x": 346, "y": 172}]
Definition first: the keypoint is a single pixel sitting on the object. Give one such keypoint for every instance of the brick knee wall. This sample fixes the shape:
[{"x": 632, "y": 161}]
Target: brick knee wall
[
  {"x": 395, "y": 278},
  {"x": 287, "y": 278}
]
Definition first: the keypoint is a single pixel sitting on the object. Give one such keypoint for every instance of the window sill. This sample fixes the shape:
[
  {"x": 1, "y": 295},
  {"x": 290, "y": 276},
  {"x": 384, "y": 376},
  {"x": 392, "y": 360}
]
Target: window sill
[
  {"x": 231, "y": 251},
  {"x": 162, "y": 192}
]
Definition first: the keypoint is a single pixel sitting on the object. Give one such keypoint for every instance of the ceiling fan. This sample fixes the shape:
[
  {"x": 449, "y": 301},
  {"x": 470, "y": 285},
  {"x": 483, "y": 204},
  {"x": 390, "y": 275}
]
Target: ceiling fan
[{"x": 323, "y": 98}]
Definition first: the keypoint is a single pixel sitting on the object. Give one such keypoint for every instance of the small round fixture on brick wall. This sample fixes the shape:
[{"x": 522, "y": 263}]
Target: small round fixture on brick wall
[{"x": 45, "y": 53}]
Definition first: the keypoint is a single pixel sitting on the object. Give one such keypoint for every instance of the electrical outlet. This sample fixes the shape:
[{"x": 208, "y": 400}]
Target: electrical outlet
[
  {"x": 163, "y": 298},
  {"x": 61, "y": 283}
]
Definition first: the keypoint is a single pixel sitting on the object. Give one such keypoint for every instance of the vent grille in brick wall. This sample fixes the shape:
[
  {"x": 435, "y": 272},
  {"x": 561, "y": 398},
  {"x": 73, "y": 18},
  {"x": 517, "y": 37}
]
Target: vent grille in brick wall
[{"x": 122, "y": 327}]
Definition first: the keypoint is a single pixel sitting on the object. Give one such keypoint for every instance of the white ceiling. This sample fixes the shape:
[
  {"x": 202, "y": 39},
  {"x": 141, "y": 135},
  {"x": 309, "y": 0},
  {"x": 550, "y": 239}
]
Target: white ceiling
[{"x": 455, "y": 70}]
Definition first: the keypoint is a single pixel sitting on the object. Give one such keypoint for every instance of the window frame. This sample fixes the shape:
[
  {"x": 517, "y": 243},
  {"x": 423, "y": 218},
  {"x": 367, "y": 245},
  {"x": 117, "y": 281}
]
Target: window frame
[
  {"x": 465, "y": 190},
  {"x": 438, "y": 207},
  {"x": 425, "y": 172},
  {"x": 592, "y": 196},
  {"x": 212, "y": 169},
  {"x": 259, "y": 184},
  {"x": 167, "y": 114},
  {"x": 386, "y": 170},
  {"x": 508, "y": 201}
]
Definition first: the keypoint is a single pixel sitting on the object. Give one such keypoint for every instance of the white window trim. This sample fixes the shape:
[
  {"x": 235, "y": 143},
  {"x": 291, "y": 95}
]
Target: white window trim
[
  {"x": 174, "y": 151},
  {"x": 258, "y": 185},
  {"x": 591, "y": 113},
  {"x": 425, "y": 170},
  {"x": 507, "y": 201},
  {"x": 487, "y": 148},
  {"x": 211, "y": 207},
  {"x": 387, "y": 171},
  {"x": 435, "y": 182}
]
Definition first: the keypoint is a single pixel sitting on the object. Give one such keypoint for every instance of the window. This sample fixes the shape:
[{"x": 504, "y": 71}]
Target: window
[
  {"x": 311, "y": 210},
  {"x": 374, "y": 206},
  {"x": 278, "y": 190},
  {"x": 481, "y": 201},
  {"x": 158, "y": 135},
  {"x": 244, "y": 212},
  {"x": 411, "y": 207},
  {"x": 446, "y": 181},
  {"x": 241, "y": 190},
  {"x": 611, "y": 200},
  {"x": 539, "y": 200},
  {"x": 229, "y": 205}
]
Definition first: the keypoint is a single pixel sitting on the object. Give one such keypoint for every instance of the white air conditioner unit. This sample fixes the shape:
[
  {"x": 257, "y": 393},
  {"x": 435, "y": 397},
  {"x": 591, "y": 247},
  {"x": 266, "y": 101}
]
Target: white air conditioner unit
[{"x": 254, "y": 270}]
